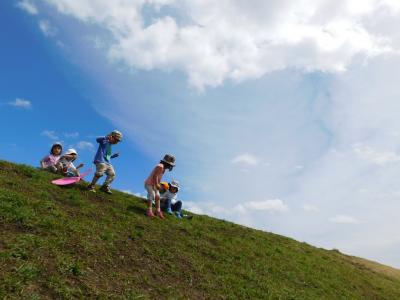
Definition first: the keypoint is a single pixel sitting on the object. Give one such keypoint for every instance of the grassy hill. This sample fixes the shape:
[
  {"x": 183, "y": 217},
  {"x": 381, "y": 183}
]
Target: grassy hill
[{"x": 64, "y": 243}]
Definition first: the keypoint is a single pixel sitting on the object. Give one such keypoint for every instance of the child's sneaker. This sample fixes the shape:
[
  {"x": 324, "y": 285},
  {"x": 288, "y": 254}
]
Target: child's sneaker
[
  {"x": 150, "y": 213},
  {"x": 189, "y": 217},
  {"x": 169, "y": 211},
  {"x": 91, "y": 188},
  {"x": 178, "y": 215},
  {"x": 106, "y": 189},
  {"x": 160, "y": 214}
]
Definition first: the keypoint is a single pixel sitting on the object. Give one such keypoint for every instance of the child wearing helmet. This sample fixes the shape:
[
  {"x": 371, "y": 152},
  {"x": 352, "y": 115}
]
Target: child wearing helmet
[
  {"x": 49, "y": 162},
  {"x": 168, "y": 199},
  {"x": 102, "y": 160},
  {"x": 66, "y": 165},
  {"x": 153, "y": 184}
]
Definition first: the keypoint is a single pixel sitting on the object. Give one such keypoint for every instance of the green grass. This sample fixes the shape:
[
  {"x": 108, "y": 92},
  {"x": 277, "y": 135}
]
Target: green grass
[{"x": 66, "y": 243}]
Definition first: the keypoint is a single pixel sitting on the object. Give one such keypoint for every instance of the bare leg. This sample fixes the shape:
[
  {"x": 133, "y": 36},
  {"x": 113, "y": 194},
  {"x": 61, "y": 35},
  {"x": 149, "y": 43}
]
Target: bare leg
[
  {"x": 150, "y": 197},
  {"x": 158, "y": 209},
  {"x": 158, "y": 202}
]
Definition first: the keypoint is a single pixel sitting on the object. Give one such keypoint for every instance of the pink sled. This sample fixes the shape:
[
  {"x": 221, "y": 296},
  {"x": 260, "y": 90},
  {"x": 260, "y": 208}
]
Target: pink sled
[{"x": 70, "y": 180}]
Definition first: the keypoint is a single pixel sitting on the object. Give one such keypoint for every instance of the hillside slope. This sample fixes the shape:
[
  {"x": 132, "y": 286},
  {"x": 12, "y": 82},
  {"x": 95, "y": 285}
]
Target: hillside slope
[{"x": 66, "y": 243}]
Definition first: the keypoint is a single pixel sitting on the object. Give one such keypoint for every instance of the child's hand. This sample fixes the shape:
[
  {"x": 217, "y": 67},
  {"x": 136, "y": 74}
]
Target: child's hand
[
  {"x": 158, "y": 186},
  {"x": 115, "y": 155}
]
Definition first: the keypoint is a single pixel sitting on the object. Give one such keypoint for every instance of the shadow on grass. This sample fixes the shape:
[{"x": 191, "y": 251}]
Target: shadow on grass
[{"x": 136, "y": 209}]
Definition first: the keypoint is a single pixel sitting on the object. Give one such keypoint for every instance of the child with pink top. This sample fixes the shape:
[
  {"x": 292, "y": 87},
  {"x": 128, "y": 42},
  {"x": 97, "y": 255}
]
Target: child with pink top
[
  {"x": 152, "y": 184},
  {"x": 49, "y": 162}
]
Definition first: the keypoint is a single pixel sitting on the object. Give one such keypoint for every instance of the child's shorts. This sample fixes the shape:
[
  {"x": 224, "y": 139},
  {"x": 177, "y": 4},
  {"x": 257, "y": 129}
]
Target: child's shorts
[
  {"x": 102, "y": 168},
  {"x": 152, "y": 192}
]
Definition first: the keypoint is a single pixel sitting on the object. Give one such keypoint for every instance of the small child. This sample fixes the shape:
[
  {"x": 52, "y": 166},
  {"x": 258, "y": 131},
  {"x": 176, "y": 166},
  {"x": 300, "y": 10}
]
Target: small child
[
  {"x": 49, "y": 162},
  {"x": 168, "y": 198},
  {"x": 152, "y": 184},
  {"x": 102, "y": 161},
  {"x": 66, "y": 165}
]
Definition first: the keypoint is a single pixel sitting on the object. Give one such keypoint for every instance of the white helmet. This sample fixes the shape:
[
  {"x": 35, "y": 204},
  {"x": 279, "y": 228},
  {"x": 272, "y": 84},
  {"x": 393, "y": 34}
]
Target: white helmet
[
  {"x": 71, "y": 151},
  {"x": 175, "y": 183},
  {"x": 117, "y": 134}
]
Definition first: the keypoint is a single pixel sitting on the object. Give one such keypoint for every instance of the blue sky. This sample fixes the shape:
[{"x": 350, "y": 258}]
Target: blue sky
[
  {"x": 34, "y": 70},
  {"x": 282, "y": 115}
]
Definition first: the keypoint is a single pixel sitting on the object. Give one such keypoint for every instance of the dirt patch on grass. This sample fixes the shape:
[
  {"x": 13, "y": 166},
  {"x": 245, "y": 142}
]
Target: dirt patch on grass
[{"x": 376, "y": 267}]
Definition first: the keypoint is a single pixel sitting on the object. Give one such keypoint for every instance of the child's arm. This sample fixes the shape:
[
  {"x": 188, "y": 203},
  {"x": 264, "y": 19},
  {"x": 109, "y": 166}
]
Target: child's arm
[
  {"x": 42, "y": 162},
  {"x": 79, "y": 166},
  {"x": 73, "y": 169},
  {"x": 100, "y": 139},
  {"x": 63, "y": 165},
  {"x": 157, "y": 177},
  {"x": 114, "y": 155},
  {"x": 76, "y": 172}
]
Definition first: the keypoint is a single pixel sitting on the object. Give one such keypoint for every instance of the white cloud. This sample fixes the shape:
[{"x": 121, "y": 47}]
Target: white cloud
[
  {"x": 193, "y": 207},
  {"x": 127, "y": 192},
  {"x": 271, "y": 205},
  {"x": 28, "y": 6},
  {"x": 97, "y": 42},
  {"x": 130, "y": 192},
  {"x": 245, "y": 159},
  {"x": 47, "y": 29},
  {"x": 245, "y": 208},
  {"x": 51, "y": 134},
  {"x": 73, "y": 135},
  {"x": 379, "y": 158},
  {"x": 12, "y": 145},
  {"x": 21, "y": 103},
  {"x": 341, "y": 124},
  {"x": 311, "y": 208},
  {"x": 344, "y": 219},
  {"x": 233, "y": 40},
  {"x": 84, "y": 145}
]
